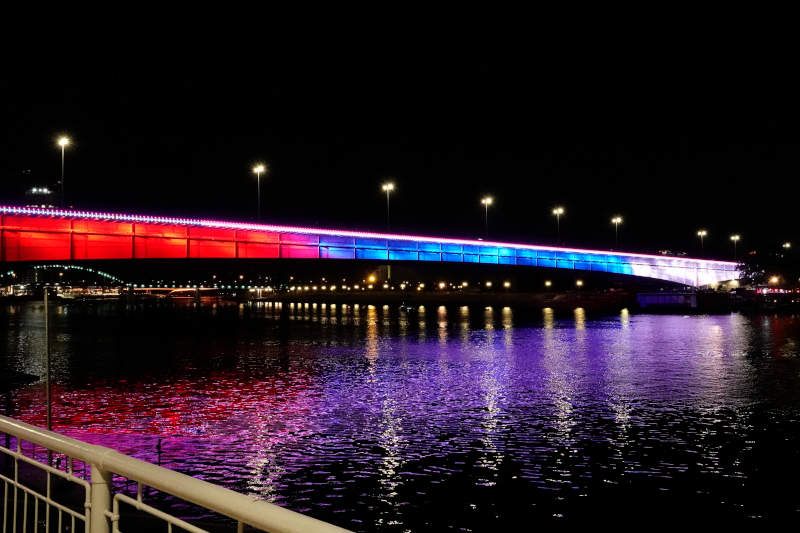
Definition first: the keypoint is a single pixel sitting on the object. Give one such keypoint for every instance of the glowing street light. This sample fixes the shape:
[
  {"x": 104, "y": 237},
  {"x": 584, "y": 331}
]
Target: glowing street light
[
  {"x": 701, "y": 233},
  {"x": 735, "y": 240},
  {"x": 388, "y": 188},
  {"x": 548, "y": 283},
  {"x": 786, "y": 245},
  {"x": 558, "y": 211},
  {"x": 486, "y": 201},
  {"x": 579, "y": 283},
  {"x": 63, "y": 142},
  {"x": 258, "y": 170},
  {"x": 617, "y": 220},
  {"x": 774, "y": 280}
]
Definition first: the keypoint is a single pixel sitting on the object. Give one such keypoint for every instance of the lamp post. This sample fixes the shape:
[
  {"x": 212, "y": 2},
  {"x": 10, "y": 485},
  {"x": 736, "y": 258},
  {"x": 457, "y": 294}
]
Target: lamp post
[
  {"x": 617, "y": 220},
  {"x": 701, "y": 233},
  {"x": 388, "y": 188},
  {"x": 486, "y": 201},
  {"x": 558, "y": 211},
  {"x": 735, "y": 240},
  {"x": 63, "y": 142},
  {"x": 258, "y": 170},
  {"x": 48, "y": 397}
]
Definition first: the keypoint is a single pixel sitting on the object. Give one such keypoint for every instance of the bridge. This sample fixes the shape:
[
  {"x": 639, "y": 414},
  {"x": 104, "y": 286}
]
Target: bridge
[{"x": 38, "y": 234}]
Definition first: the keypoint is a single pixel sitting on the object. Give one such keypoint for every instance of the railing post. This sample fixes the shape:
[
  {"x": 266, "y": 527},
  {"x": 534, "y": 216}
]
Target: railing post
[{"x": 101, "y": 500}]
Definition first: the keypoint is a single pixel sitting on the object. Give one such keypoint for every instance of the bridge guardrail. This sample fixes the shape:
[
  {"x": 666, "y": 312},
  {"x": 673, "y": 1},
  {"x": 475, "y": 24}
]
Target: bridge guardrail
[{"x": 101, "y": 507}]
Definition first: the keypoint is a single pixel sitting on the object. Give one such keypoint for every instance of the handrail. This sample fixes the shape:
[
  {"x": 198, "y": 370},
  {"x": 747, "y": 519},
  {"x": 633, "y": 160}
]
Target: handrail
[{"x": 256, "y": 513}]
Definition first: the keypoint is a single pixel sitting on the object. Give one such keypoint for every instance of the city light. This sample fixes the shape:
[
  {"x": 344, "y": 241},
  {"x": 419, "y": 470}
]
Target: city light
[
  {"x": 486, "y": 201},
  {"x": 63, "y": 142},
  {"x": 558, "y": 211},
  {"x": 701, "y": 233},
  {"x": 258, "y": 170},
  {"x": 388, "y": 188},
  {"x": 787, "y": 245},
  {"x": 548, "y": 283},
  {"x": 617, "y": 220},
  {"x": 506, "y": 284},
  {"x": 371, "y": 279},
  {"x": 442, "y": 284},
  {"x": 488, "y": 283},
  {"x": 774, "y": 279},
  {"x": 735, "y": 240},
  {"x": 579, "y": 283}
]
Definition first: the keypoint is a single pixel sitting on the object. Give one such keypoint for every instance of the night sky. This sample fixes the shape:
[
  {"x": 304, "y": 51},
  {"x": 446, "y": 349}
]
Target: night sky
[{"x": 672, "y": 139}]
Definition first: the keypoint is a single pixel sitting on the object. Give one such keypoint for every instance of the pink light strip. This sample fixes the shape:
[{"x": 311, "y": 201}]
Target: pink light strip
[{"x": 37, "y": 211}]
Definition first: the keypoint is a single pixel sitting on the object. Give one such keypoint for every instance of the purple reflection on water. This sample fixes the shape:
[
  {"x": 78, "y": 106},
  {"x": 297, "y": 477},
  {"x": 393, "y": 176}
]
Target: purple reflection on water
[{"x": 440, "y": 418}]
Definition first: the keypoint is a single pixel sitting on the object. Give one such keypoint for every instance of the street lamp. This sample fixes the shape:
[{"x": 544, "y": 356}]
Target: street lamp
[
  {"x": 786, "y": 245},
  {"x": 63, "y": 142},
  {"x": 617, "y": 220},
  {"x": 486, "y": 201},
  {"x": 701, "y": 233},
  {"x": 558, "y": 211},
  {"x": 735, "y": 240},
  {"x": 258, "y": 170},
  {"x": 388, "y": 188}
]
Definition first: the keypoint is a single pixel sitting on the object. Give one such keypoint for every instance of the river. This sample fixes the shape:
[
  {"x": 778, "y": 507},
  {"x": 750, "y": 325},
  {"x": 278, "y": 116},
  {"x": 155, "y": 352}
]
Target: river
[{"x": 437, "y": 418}]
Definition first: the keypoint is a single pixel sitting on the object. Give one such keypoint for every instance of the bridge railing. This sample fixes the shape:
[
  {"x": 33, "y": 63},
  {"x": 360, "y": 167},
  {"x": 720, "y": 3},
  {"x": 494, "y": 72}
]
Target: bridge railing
[{"x": 55, "y": 483}]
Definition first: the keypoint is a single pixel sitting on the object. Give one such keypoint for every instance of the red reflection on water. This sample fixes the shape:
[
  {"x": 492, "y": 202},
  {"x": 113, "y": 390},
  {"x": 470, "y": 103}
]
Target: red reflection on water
[{"x": 217, "y": 405}]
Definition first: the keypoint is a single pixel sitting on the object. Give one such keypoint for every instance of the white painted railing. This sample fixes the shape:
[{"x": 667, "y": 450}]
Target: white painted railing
[{"x": 23, "y": 494}]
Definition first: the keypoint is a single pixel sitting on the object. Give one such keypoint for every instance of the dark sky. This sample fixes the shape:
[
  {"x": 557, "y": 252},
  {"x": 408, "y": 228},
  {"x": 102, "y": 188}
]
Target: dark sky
[{"x": 672, "y": 138}]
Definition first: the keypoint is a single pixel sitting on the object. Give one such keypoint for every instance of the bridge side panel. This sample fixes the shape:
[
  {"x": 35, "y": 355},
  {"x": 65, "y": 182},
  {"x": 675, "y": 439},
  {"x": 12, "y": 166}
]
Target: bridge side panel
[
  {"x": 258, "y": 244},
  {"x": 257, "y": 250},
  {"x": 212, "y": 249},
  {"x": 36, "y": 246},
  {"x": 159, "y": 248},
  {"x": 93, "y": 246}
]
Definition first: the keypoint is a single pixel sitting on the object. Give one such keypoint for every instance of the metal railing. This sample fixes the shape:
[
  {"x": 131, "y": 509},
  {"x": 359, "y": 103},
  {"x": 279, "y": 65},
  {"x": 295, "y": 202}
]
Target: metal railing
[{"x": 73, "y": 484}]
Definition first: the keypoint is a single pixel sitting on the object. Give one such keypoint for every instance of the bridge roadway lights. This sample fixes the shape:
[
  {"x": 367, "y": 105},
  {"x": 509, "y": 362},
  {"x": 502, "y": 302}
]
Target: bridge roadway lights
[{"x": 45, "y": 235}]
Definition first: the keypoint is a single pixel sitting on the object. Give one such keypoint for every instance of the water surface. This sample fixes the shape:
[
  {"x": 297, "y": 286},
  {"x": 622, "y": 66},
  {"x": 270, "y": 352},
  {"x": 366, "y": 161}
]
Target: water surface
[{"x": 444, "y": 418}]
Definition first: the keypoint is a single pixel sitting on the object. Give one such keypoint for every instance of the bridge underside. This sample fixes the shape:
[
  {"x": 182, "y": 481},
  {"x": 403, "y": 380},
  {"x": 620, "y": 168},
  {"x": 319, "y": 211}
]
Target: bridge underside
[{"x": 36, "y": 235}]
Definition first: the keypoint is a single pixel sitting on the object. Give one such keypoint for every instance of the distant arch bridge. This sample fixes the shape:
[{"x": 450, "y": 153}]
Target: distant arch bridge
[{"x": 45, "y": 235}]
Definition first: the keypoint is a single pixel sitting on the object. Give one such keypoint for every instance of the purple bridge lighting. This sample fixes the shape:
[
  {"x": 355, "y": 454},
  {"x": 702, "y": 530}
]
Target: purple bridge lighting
[{"x": 37, "y": 234}]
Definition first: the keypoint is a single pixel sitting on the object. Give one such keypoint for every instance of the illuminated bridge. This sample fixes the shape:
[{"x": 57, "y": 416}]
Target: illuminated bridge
[{"x": 33, "y": 235}]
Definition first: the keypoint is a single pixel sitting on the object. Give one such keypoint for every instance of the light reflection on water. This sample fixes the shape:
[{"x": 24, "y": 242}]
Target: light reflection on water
[{"x": 426, "y": 419}]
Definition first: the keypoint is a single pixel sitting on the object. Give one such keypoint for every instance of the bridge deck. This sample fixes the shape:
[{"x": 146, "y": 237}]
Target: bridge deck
[{"x": 35, "y": 234}]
